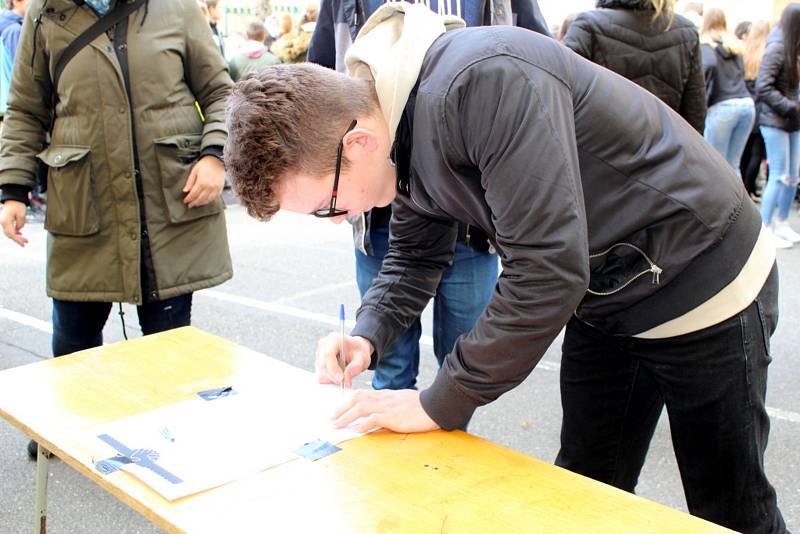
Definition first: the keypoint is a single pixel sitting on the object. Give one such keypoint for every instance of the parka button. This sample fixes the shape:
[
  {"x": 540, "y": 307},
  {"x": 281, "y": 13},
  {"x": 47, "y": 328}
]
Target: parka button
[
  {"x": 154, "y": 295},
  {"x": 121, "y": 110},
  {"x": 133, "y": 236},
  {"x": 58, "y": 158}
]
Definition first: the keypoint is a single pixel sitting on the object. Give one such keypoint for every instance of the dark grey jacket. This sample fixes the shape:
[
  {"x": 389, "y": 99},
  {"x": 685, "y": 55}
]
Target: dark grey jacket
[
  {"x": 580, "y": 178},
  {"x": 776, "y": 99},
  {"x": 663, "y": 56}
]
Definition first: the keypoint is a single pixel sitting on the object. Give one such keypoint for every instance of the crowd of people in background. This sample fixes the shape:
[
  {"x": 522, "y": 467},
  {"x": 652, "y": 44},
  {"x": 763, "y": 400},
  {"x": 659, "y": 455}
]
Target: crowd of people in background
[{"x": 738, "y": 88}]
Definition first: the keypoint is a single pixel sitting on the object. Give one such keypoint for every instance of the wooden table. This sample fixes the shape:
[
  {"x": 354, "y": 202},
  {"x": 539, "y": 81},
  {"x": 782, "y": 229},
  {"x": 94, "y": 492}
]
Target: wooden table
[{"x": 382, "y": 482}]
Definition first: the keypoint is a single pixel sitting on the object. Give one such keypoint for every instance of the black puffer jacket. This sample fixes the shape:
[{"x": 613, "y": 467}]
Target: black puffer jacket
[
  {"x": 775, "y": 97},
  {"x": 663, "y": 56}
]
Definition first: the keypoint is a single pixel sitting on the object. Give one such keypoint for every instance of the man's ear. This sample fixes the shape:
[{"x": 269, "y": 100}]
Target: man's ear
[{"x": 360, "y": 143}]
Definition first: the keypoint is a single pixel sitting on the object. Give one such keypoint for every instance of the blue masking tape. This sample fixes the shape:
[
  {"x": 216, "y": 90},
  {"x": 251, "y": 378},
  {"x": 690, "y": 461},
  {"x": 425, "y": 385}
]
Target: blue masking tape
[
  {"x": 143, "y": 457},
  {"x": 316, "y": 449},
  {"x": 217, "y": 393}
]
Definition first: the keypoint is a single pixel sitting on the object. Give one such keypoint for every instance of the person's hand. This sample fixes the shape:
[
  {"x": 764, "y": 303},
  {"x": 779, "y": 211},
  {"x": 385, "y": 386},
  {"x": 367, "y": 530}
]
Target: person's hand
[
  {"x": 395, "y": 410},
  {"x": 205, "y": 182},
  {"x": 358, "y": 354},
  {"x": 12, "y": 219}
]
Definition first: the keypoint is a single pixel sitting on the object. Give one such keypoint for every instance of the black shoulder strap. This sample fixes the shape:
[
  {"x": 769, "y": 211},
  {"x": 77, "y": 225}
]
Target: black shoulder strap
[{"x": 119, "y": 13}]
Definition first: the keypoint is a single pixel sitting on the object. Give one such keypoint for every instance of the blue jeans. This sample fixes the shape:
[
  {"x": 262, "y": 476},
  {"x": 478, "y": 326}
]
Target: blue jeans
[
  {"x": 783, "y": 156},
  {"x": 464, "y": 290},
  {"x": 79, "y": 325},
  {"x": 713, "y": 383},
  {"x": 728, "y": 125}
]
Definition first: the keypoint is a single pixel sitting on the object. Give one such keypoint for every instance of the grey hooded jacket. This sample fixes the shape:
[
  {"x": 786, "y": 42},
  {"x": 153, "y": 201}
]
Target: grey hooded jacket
[{"x": 601, "y": 202}]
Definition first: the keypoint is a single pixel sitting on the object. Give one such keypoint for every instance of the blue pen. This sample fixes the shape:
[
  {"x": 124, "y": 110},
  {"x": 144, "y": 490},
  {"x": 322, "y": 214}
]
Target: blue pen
[{"x": 341, "y": 359}]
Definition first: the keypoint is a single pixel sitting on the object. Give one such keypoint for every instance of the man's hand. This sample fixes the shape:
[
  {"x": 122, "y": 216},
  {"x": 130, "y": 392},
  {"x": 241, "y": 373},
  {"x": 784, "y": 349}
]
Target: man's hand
[
  {"x": 358, "y": 354},
  {"x": 12, "y": 219},
  {"x": 205, "y": 182},
  {"x": 396, "y": 410}
]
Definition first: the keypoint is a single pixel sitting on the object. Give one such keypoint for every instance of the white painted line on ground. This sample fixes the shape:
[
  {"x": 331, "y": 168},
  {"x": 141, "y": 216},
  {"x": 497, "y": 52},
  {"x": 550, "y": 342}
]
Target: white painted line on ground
[
  {"x": 282, "y": 309},
  {"x": 26, "y": 320},
  {"x": 312, "y": 292},
  {"x": 777, "y": 413},
  {"x": 44, "y": 326}
]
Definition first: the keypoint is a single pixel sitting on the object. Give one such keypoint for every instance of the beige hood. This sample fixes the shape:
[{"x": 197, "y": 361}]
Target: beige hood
[{"x": 390, "y": 49}]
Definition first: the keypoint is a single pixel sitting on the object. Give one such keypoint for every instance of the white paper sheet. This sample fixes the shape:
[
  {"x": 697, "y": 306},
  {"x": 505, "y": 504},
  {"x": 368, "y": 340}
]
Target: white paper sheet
[{"x": 205, "y": 444}]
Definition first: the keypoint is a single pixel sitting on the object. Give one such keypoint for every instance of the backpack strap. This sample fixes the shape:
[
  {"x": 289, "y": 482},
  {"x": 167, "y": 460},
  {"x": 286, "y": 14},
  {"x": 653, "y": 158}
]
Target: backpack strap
[{"x": 113, "y": 17}]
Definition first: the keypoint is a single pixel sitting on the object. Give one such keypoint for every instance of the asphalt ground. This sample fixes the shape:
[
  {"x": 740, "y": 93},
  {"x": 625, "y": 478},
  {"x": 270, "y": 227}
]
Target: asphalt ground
[{"x": 290, "y": 276}]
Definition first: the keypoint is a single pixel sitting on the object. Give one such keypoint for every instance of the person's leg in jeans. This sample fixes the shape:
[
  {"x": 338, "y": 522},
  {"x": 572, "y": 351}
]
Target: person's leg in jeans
[
  {"x": 78, "y": 325},
  {"x": 611, "y": 406},
  {"x": 464, "y": 291},
  {"x": 399, "y": 365},
  {"x": 714, "y": 384},
  {"x": 745, "y": 115},
  {"x": 748, "y": 168},
  {"x": 165, "y": 314},
  {"x": 776, "y": 142},
  {"x": 720, "y": 122},
  {"x": 789, "y": 183}
]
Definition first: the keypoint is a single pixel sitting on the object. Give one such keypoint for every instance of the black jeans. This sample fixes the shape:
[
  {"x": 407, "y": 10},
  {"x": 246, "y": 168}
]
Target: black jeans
[
  {"x": 713, "y": 383},
  {"x": 754, "y": 153},
  {"x": 79, "y": 325}
]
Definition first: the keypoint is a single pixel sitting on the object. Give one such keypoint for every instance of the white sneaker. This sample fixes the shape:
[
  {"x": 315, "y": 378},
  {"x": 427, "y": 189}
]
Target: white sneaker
[
  {"x": 784, "y": 231},
  {"x": 778, "y": 242}
]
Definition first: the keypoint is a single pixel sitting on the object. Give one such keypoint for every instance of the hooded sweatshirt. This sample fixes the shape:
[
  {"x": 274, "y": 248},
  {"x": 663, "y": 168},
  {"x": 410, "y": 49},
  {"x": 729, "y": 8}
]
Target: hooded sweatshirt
[
  {"x": 724, "y": 69},
  {"x": 390, "y": 50},
  {"x": 10, "y": 28}
]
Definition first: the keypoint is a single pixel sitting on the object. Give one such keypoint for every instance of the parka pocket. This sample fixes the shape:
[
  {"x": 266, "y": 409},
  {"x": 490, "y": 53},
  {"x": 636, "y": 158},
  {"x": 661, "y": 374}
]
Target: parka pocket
[
  {"x": 176, "y": 156},
  {"x": 71, "y": 206}
]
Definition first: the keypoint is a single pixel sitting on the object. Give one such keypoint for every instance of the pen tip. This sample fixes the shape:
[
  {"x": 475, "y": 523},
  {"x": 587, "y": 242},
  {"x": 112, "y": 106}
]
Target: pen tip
[{"x": 341, "y": 312}]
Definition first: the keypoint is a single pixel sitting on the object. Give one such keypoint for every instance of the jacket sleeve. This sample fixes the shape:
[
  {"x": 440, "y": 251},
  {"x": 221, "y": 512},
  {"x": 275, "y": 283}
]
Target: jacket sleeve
[
  {"x": 207, "y": 75},
  {"x": 514, "y": 124},
  {"x": 694, "y": 105},
  {"x": 766, "y": 91},
  {"x": 420, "y": 249},
  {"x": 580, "y": 38},
  {"x": 322, "y": 48},
  {"x": 28, "y": 116}
]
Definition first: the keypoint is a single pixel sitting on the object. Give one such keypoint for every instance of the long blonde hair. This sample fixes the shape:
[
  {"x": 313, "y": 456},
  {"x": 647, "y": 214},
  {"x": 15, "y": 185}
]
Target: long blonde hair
[
  {"x": 663, "y": 6},
  {"x": 715, "y": 30},
  {"x": 754, "y": 48}
]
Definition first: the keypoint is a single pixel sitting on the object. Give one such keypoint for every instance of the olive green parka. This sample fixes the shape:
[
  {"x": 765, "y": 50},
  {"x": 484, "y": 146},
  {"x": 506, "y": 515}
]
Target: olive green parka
[{"x": 93, "y": 212}]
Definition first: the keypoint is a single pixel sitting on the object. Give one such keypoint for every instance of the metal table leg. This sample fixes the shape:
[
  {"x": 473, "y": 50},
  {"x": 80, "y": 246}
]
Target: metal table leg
[{"x": 42, "y": 461}]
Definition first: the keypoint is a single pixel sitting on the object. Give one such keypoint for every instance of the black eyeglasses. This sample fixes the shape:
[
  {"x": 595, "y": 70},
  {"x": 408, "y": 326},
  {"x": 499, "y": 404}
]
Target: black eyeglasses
[{"x": 325, "y": 213}]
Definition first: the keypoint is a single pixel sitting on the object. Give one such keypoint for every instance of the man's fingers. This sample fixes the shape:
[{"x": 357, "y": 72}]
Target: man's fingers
[
  {"x": 20, "y": 220},
  {"x": 371, "y": 422},
  {"x": 357, "y": 411}
]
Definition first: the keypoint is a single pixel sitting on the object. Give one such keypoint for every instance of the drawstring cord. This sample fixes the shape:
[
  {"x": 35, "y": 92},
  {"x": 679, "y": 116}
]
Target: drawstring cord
[
  {"x": 122, "y": 318},
  {"x": 37, "y": 23}
]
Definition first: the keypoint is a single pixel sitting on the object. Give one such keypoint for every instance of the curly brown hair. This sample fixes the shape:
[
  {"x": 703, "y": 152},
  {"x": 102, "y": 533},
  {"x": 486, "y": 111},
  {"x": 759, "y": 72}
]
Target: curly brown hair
[{"x": 288, "y": 119}]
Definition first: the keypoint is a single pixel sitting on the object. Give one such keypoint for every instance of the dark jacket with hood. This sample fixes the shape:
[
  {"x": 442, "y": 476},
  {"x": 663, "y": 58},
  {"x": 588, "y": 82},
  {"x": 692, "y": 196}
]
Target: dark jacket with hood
[
  {"x": 723, "y": 67},
  {"x": 601, "y": 201},
  {"x": 663, "y": 56},
  {"x": 776, "y": 98}
]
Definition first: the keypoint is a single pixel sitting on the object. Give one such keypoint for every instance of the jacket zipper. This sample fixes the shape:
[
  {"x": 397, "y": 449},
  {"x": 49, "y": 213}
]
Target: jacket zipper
[{"x": 654, "y": 269}]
